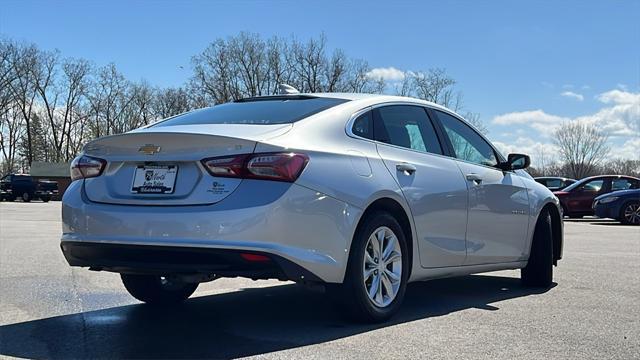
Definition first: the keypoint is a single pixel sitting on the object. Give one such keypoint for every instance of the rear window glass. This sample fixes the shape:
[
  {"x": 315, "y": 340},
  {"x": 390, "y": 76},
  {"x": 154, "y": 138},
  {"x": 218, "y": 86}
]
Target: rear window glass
[{"x": 263, "y": 111}]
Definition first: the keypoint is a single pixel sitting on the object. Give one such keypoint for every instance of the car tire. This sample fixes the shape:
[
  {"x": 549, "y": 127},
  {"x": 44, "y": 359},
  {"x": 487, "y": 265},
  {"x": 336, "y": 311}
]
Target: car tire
[
  {"x": 157, "y": 290},
  {"x": 26, "y": 197},
  {"x": 353, "y": 294},
  {"x": 629, "y": 208},
  {"x": 539, "y": 269},
  {"x": 45, "y": 198}
]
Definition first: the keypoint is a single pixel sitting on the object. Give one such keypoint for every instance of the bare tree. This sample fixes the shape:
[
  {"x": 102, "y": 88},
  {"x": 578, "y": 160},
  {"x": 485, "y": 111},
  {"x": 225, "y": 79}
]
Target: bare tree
[
  {"x": 622, "y": 167},
  {"x": 170, "y": 102},
  {"x": 141, "y": 111},
  {"x": 22, "y": 61},
  {"x": 582, "y": 147}
]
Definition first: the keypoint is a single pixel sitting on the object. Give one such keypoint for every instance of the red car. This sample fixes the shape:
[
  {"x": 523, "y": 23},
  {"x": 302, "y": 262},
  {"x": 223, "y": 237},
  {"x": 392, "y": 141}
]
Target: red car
[{"x": 577, "y": 199}]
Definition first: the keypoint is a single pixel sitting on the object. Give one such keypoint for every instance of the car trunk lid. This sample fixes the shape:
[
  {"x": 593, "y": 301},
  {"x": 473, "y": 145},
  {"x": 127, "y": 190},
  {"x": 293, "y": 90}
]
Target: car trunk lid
[{"x": 161, "y": 166}]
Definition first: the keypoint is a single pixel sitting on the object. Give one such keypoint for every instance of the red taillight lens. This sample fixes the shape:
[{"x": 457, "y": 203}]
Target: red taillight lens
[
  {"x": 254, "y": 257},
  {"x": 232, "y": 166},
  {"x": 268, "y": 166},
  {"x": 283, "y": 167},
  {"x": 84, "y": 166}
]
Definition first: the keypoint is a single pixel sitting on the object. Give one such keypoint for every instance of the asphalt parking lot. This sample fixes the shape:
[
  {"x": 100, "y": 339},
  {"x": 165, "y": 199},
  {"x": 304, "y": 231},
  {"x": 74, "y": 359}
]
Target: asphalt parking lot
[{"x": 49, "y": 310}]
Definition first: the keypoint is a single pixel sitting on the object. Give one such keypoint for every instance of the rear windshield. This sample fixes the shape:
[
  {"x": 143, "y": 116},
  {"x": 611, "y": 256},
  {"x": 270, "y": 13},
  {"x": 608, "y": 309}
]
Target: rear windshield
[{"x": 263, "y": 111}]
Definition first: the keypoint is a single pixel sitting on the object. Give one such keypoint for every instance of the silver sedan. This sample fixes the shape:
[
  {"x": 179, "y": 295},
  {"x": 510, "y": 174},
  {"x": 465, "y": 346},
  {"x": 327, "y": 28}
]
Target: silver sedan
[{"x": 359, "y": 193}]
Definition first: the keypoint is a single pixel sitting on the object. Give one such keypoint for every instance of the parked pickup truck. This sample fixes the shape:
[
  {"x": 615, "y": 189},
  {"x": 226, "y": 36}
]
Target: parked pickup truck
[{"x": 23, "y": 186}]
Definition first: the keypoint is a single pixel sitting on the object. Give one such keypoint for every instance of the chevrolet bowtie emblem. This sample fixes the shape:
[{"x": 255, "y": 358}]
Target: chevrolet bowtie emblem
[{"x": 149, "y": 149}]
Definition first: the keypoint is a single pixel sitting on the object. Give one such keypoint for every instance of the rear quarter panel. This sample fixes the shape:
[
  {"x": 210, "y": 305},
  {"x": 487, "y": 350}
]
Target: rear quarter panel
[{"x": 340, "y": 166}]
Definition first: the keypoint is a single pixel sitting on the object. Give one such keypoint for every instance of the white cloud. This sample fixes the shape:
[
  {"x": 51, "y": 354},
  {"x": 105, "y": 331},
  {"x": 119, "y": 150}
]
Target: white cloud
[
  {"x": 540, "y": 152},
  {"x": 620, "y": 119},
  {"x": 388, "y": 74},
  {"x": 630, "y": 149},
  {"x": 567, "y": 86},
  {"x": 619, "y": 97},
  {"x": 571, "y": 94},
  {"x": 527, "y": 117}
]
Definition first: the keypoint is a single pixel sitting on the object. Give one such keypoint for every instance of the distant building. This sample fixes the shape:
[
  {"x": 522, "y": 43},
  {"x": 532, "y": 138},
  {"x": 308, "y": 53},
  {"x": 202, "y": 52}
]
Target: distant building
[{"x": 58, "y": 172}]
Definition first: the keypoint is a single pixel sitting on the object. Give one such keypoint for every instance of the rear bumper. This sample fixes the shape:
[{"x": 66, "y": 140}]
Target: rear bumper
[
  {"x": 288, "y": 221},
  {"x": 150, "y": 259}
]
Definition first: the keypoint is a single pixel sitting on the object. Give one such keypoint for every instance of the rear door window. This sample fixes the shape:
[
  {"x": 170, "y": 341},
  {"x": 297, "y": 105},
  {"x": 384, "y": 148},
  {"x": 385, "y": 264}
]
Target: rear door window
[
  {"x": 623, "y": 184},
  {"x": 406, "y": 126},
  {"x": 554, "y": 183}
]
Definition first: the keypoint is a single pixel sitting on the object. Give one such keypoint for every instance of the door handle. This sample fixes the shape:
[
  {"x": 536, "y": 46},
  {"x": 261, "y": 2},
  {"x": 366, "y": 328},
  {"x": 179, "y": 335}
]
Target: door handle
[
  {"x": 406, "y": 168},
  {"x": 477, "y": 179}
]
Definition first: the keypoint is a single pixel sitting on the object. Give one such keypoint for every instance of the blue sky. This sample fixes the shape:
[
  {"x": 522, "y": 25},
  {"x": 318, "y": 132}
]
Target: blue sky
[{"x": 512, "y": 60}]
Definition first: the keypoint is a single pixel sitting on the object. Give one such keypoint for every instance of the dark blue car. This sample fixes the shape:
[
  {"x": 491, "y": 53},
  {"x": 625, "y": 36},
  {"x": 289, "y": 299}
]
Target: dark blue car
[{"x": 623, "y": 205}]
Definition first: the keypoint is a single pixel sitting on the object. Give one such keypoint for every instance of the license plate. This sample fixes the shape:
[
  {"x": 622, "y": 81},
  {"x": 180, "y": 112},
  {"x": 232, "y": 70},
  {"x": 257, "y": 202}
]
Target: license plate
[{"x": 154, "y": 179}]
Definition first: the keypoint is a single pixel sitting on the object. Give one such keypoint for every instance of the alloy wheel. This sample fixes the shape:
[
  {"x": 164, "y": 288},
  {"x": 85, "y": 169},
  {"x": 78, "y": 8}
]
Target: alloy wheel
[
  {"x": 632, "y": 213},
  {"x": 382, "y": 268}
]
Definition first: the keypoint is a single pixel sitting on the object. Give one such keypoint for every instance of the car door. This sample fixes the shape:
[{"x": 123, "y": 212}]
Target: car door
[
  {"x": 431, "y": 183},
  {"x": 581, "y": 199},
  {"x": 498, "y": 216}
]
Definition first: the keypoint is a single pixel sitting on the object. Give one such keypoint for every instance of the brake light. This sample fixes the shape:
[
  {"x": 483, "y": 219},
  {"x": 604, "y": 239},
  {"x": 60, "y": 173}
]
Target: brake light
[
  {"x": 268, "y": 166},
  {"x": 254, "y": 257},
  {"x": 84, "y": 166}
]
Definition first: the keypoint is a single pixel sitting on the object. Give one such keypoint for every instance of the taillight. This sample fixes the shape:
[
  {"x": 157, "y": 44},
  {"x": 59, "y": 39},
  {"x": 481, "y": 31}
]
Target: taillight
[
  {"x": 84, "y": 166},
  {"x": 267, "y": 166}
]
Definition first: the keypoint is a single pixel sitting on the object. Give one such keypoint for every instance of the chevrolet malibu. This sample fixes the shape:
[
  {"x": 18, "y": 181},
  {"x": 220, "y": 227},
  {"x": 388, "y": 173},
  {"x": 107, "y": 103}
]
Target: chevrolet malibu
[{"x": 360, "y": 193}]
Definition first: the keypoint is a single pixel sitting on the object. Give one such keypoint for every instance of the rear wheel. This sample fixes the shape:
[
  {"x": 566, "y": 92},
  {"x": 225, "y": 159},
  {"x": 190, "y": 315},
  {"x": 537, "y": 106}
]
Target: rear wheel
[
  {"x": 26, "y": 197},
  {"x": 154, "y": 289},
  {"x": 630, "y": 213},
  {"x": 45, "y": 198},
  {"x": 539, "y": 269},
  {"x": 377, "y": 272}
]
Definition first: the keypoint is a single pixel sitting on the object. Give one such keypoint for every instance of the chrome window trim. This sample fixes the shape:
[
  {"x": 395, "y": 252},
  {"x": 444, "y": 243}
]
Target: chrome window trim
[{"x": 355, "y": 115}]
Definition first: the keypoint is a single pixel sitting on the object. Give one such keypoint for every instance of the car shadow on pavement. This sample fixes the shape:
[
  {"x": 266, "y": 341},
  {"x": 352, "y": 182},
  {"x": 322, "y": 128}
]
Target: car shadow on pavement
[{"x": 241, "y": 323}]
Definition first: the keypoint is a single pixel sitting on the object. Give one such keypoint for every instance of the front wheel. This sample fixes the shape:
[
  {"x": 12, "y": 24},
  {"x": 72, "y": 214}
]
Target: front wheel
[
  {"x": 154, "y": 289},
  {"x": 630, "y": 213},
  {"x": 26, "y": 197},
  {"x": 377, "y": 271},
  {"x": 539, "y": 269}
]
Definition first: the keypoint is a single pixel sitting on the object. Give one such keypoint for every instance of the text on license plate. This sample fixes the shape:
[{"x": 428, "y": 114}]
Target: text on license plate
[{"x": 154, "y": 179}]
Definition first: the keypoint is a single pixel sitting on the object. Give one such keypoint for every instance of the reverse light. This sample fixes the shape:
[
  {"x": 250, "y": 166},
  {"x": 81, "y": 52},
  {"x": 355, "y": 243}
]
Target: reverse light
[
  {"x": 84, "y": 166},
  {"x": 267, "y": 166}
]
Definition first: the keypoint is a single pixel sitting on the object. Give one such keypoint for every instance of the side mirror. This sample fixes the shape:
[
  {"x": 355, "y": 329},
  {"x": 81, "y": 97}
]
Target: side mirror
[{"x": 515, "y": 162}]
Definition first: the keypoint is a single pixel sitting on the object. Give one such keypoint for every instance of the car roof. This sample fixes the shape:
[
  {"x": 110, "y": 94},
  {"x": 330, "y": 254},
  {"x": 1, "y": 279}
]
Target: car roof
[
  {"x": 608, "y": 176},
  {"x": 553, "y": 177},
  {"x": 365, "y": 97}
]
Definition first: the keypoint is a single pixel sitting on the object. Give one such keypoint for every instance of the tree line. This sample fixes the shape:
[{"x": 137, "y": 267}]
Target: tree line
[
  {"x": 583, "y": 151},
  {"x": 50, "y": 105}
]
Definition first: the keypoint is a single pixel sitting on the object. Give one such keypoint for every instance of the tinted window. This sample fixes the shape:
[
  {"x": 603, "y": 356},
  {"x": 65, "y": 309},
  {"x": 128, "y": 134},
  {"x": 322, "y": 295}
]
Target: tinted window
[
  {"x": 623, "y": 184},
  {"x": 406, "y": 126},
  {"x": 467, "y": 144},
  {"x": 593, "y": 185},
  {"x": 264, "y": 111},
  {"x": 363, "y": 126},
  {"x": 554, "y": 183}
]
